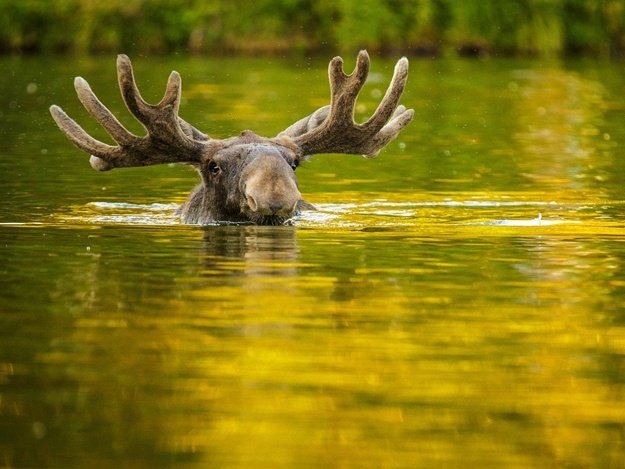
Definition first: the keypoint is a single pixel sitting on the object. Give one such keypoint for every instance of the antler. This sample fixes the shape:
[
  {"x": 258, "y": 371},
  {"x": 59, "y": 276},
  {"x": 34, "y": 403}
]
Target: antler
[
  {"x": 331, "y": 129},
  {"x": 169, "y": 138}
]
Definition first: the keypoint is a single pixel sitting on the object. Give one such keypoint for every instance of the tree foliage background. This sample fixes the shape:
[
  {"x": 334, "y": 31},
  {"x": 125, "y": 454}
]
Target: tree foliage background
[{"x": 431, "y": 27}]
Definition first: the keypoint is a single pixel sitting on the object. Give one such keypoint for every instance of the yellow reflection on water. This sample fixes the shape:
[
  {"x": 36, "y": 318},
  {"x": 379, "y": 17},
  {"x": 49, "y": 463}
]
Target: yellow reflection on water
[
  {"x": 558, "y": 115},
  {"x": 288, "y": 346}
]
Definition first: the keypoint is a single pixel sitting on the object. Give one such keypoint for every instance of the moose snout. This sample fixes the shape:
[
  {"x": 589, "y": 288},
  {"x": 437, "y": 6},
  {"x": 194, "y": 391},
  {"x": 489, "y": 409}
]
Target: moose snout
[
  {"x": 277, "y": 208},
  {"x": 267, "y": 202},
  {"x": 270, "y": 187}
]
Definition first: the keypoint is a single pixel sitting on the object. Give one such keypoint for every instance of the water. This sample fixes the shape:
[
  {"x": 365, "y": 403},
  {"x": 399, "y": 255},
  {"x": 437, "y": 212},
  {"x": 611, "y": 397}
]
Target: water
[{"x": 457, "y": 302}]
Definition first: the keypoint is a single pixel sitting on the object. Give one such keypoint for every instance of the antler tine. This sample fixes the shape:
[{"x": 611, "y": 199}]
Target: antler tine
[
  {"x": 101, "y": 113},
  {"x": 389, "y": 103},
  {"x": 172, "y": 92},
  {"x": 130, "y": 92},
  {"x": 77, "y": 134},
  {"x": 345, "y": 88},
  {"x": 339, "y": 133},
  {"x": 307, "y": 123},
  {"x": 401, "y": 119}
]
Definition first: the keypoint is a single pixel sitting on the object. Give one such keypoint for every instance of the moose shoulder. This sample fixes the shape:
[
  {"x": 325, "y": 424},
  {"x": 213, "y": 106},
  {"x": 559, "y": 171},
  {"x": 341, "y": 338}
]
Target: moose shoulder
[{"x": 248, "y": 177}]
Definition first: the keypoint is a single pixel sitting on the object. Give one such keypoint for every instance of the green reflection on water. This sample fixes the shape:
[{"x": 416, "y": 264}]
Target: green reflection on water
[{"x": 424, "y": 315}]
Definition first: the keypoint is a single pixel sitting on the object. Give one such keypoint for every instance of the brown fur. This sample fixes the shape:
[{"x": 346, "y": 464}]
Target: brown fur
[{"x": 253, "y": 183}]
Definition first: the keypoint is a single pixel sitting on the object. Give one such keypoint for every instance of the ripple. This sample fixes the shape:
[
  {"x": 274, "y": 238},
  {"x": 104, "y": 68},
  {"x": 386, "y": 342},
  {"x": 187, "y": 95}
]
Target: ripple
[
  {"x": 538, "y": 221},
  {"x": 121, "y": 213},
  {"x": 126, "y": 205},
  {"x": 435, "y": 216}
]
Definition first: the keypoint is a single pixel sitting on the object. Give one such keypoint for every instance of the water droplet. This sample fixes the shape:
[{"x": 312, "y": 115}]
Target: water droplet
[
  {"x": 31, "y": 88},
  {"x": 39, "y": 430}
]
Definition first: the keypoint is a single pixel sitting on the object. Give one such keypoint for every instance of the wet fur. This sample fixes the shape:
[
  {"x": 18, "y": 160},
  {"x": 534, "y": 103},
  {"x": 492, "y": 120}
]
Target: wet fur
[{"x": 261, "y": 172}]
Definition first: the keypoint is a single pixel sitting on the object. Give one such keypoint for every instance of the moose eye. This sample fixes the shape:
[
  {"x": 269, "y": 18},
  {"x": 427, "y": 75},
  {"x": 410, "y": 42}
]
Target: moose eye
[
  {"x": 294, "y": 165},
  {"x": 213, "y": 168}
]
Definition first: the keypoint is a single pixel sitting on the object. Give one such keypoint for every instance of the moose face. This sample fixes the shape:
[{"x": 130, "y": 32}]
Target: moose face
[
  {"x": 253, "y": 182},
  {"x": 247, "y": 178}
]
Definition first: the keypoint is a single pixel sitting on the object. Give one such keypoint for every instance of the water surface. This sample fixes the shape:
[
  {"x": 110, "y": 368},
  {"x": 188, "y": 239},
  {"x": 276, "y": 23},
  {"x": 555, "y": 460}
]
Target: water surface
[{"x": 458, "y": 301}]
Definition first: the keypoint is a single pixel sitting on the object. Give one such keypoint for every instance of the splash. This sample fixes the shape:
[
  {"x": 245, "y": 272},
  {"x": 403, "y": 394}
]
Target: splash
[
  {"x": 420, "y": 215},
  {"x": 121, "y": 213}
]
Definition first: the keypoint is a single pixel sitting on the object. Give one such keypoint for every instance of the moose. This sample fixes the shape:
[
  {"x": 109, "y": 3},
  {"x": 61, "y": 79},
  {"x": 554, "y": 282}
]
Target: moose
[{"x": 246, "y": 178}]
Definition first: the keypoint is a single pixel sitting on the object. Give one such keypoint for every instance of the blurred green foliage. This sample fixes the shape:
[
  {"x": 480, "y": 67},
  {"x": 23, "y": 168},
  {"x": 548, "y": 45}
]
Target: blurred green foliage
[{"x": 532, "y": 27}]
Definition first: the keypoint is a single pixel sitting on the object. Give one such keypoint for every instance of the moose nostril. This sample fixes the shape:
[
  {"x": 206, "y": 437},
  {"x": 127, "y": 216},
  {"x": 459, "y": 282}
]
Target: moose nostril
[
  {"x": 275, "y": 208},
  {"x": 251, "y": 202}
]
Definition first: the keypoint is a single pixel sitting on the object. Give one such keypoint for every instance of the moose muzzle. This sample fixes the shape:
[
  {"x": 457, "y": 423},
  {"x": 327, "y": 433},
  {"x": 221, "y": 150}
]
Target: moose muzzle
[{"x": 270, "y": 186}]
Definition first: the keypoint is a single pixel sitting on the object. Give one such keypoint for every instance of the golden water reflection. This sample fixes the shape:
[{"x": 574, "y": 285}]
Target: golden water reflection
[
  {"x": 288, "y": 347},
  {"x": 559, "y": 135}
]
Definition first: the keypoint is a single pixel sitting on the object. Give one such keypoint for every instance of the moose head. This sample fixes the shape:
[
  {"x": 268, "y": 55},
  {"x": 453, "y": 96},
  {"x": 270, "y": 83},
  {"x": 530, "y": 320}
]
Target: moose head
[{"x": 247, "y": 178}]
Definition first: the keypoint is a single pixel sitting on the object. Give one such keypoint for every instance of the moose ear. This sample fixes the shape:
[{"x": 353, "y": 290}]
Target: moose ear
[{"x": 303, "y": 205}]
